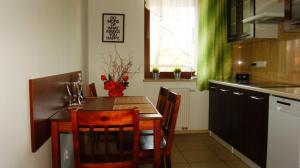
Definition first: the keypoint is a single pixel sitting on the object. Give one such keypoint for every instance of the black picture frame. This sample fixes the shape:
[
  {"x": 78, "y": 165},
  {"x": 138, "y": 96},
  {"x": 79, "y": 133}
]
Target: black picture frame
[{"x": 113, "y": 26}]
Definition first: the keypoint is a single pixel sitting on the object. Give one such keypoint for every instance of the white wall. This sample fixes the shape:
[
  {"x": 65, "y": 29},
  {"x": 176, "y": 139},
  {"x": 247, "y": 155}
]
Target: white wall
[
  {"x": 134, "y": 44},
  {"x": 37, "y": 38}
]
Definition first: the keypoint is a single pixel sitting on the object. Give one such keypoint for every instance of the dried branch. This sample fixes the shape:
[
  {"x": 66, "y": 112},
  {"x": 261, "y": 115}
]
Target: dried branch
[{"x": 117, "y": 66}]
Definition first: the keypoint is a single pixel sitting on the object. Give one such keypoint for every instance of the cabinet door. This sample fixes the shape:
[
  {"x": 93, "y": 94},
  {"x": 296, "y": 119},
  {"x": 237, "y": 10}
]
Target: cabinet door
[
  {"x": 219, "y": 112},
  {"x": 247, "y": 29},
  {"x": 295, "y": 12},
  {"x": 257, "y": 127},
  {"x": 232, "y": 20},
  {"x": 240, "y": 117},
  {"x": 224, "y": 114},
  {"x": 239, "y": 109},
  {"x": 292, "y": 14},
  {"x": 237, "y": 11},
  {"x": 214, "y": 104}
]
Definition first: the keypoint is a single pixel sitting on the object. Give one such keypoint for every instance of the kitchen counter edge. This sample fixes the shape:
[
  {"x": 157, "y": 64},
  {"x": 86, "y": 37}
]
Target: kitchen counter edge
[{"x": 290, "y": 92}]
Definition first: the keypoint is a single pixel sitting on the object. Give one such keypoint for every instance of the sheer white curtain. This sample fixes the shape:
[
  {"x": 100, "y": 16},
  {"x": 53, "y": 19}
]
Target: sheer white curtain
[{"x": 173, "y": 34}]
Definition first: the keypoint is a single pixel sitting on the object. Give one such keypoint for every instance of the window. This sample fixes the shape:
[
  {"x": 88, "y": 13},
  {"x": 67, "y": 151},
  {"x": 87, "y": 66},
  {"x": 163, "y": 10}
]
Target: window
[{"x": 171, "y": 37}]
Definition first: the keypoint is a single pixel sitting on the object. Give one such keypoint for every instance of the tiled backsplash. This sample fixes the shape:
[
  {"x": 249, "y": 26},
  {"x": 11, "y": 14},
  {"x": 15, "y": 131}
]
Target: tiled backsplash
[{"x": 282, "y": 56}]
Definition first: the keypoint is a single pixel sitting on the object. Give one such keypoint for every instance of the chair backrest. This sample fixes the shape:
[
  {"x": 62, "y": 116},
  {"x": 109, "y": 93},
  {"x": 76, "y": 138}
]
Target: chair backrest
[
  {"x": 98, "y": 138},
  {"x": 91, "y": 90},
  {"x": 170, "y": 117},
  {"x": 162, "y": 99}
]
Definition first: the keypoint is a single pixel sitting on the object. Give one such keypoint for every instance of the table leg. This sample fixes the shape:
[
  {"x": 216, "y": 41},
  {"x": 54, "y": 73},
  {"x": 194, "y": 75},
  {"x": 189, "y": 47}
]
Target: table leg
[
  {"x": 55, "y": 141},
  {"x": 157, "y": 141}
]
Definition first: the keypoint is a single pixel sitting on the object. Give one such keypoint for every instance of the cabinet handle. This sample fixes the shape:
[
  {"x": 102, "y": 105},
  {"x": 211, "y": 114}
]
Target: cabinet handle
[
  {"x": 224, "y": 90},
  {"x": 256, "y": 98},
  {"x": 238, "y": 93},
  {"x": 284, "y": 103},
  {"x": 212, "y": 87}
]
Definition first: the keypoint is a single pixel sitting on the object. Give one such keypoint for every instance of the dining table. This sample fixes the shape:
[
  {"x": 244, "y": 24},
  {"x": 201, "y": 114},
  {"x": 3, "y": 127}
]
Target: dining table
[{"x": 150, "y": 119}]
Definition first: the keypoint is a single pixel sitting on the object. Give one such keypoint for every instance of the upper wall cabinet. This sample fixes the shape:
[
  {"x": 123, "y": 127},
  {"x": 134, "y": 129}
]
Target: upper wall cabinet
[
  {"x": 237, "y": 30},
  {"x": 232, "y": 21},
  {"x": 292, "y": 14},
  {"x": 248, "y": 19},
  {"x": 234, "y": 24}
]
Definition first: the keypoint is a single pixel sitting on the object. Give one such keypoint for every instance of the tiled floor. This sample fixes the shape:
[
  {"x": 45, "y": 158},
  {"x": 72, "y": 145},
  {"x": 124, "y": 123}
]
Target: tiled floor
[{"x": 201, "y": 151}]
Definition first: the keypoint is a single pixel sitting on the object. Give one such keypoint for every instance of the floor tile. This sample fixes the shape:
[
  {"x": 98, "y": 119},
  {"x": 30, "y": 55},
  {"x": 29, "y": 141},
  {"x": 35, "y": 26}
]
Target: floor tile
[
  {"x": 184, "y": 165},
  {"x": 209, "y": 165},
  {"x": 200, "y": 156},
  {"x": 146, "y": 166},
  {"x": 216, "y": 146},
  {"x": 226, "y": 156},
  {"x": 186, "y": 146},
  {"x": 236, "y": 164},
  {"x": 191, "y": 137},
  {"x": 202, "y": 151},
  {"x": 177, "y": 157}
]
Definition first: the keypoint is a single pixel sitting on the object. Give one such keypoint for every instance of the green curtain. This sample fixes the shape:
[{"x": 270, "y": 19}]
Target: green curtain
[{"x": 214, "y": 59}]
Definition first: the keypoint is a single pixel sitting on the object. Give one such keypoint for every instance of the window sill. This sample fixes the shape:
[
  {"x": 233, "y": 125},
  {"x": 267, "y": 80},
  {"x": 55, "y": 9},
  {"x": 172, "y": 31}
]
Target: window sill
[{"x": 169, "y": 80}]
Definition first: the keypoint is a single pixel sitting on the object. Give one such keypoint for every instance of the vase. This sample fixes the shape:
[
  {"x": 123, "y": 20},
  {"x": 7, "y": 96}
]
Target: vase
[
  {"x": 155, "y": 76},
  {"x": 177, "y": 75},
  {"x": 115, "y": 93}
]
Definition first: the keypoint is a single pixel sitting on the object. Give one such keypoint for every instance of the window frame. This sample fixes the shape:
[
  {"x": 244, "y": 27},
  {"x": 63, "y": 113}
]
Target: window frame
[{"x": 147, "y": 72}]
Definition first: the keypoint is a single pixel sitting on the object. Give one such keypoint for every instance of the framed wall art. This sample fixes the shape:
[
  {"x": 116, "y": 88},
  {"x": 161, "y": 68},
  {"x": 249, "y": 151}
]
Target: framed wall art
[{"x": 113, "y": 27}]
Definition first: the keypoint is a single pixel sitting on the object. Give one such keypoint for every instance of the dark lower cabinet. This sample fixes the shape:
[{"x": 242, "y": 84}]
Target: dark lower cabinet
[
  {"x": 238, "y": 110},
  {"x": 219, "y": 119},
  {"x": 240, "y": 117},
  {"x": 258, "y": 127},
  {"x": 214, "y": 108}
]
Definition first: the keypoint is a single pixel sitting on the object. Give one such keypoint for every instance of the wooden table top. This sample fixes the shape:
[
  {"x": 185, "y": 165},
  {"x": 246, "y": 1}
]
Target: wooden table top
[{"x": 147, "y": 109}]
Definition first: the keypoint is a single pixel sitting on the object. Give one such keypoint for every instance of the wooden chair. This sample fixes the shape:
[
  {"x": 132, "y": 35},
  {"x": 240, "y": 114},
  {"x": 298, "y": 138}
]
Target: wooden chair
[
  {"x": 91, "y": 90},
  {"x": 105, "y": 153},
  {"x": 161, "y": 102},
  {"x": 162, "y": 99},
  {"x": 168, "y": 128}
]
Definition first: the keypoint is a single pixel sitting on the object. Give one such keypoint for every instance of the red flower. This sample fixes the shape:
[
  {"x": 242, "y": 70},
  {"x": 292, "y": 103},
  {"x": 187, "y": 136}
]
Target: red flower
[
  {"x": 121, "y": 87},
  {"x": 125, "y": 78},
  {"x": 110, "y": 85},
  {"x": 103, "y": 77},
  {"x": 115, "y": 88}
]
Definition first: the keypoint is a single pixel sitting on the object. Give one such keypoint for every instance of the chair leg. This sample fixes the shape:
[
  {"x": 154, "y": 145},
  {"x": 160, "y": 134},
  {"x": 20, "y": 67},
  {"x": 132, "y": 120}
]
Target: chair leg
[
  {"x": 163, "y": 163},
  {"x": 168, "y": 160}
]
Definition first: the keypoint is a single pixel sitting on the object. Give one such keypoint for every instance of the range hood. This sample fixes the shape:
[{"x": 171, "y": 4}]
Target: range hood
[
  {"x": 266, "y": 17},
  {"x": 267, "y": 12}
]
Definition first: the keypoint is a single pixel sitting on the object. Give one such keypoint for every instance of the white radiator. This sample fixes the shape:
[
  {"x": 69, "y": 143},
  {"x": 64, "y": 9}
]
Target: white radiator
[{"x": 184, "y": 110}]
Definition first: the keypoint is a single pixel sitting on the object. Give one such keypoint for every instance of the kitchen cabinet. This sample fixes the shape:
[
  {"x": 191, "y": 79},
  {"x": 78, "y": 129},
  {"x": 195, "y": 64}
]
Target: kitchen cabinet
[
  {"x": 257, "y": 127},
  {"x": 214, "y": 108},
  {"x": 292, "y": 14},
  {"x": 220, "y": 117},
  {"x": 247, "y": 11},
  {"x": 237, "y": 10},
  {"x": 241, "y": 11},
  {"x": 240, "y": 117},
  {"x": 233, "y": 22}
]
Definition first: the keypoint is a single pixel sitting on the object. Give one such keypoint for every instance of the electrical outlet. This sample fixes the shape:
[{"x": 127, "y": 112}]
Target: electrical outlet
[
  {"x": 66, "y": 155},
  {"x": 259, "y": 64}
]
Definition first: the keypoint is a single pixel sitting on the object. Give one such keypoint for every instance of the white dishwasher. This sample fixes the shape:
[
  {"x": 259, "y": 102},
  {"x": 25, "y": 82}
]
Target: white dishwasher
[{"x": 283, "y": 133}]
